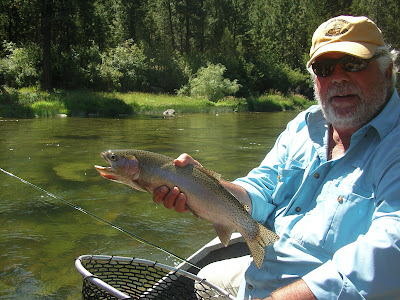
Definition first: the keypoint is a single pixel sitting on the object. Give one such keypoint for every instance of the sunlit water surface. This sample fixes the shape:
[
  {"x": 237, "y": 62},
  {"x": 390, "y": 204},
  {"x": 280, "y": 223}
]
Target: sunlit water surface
[{"x": 41, "y": 236}]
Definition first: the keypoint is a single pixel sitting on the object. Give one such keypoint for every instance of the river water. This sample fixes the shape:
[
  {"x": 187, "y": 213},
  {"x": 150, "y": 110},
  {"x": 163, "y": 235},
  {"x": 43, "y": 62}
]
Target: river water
[{"x": 40, "y": 236}]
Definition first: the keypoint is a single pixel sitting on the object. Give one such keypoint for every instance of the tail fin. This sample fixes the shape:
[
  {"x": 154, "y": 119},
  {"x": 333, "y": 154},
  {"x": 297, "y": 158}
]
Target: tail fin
[{"x": 264, "y": 238}]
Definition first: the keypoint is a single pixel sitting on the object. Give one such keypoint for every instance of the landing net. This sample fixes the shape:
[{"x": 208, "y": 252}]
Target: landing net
[{"x": 114, "y": 277}]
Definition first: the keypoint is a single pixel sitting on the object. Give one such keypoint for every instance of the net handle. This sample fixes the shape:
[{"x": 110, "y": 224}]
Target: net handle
[{"x": 97, "y": 281}]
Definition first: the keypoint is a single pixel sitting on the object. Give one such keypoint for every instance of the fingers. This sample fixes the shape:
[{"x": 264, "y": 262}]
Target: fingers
[
  {"x": 159, "y": 194},
  {"x": 185, "y": 159},
  {"x": 180, "y": 203},
  {"x": 171, "y": 199},
  {"x": 174, "y": 199}
]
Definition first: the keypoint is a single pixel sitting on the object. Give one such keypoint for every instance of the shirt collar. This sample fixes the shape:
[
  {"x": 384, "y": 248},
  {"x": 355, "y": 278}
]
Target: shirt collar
[{"x": 317, "y": 130}]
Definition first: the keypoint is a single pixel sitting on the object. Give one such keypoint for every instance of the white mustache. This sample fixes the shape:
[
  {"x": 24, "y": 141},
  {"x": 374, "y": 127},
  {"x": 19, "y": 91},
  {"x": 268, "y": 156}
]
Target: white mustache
[{"x": 343, "y": 90}]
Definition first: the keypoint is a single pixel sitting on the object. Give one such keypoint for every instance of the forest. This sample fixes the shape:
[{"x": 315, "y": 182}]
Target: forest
[{"x": 159, "y": 45}]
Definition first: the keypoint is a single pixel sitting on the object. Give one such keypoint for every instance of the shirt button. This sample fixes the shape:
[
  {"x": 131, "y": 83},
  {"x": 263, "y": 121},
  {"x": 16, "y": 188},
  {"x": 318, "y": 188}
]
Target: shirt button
[
  {"x": 250, "y": 287},
  {"x": 340, "y": 199},
  {"x": 316, "y": 175},
  {"x": 297, "y": 209}
]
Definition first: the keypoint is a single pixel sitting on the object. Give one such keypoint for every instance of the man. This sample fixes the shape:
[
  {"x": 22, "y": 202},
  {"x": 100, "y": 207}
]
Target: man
[{"x": 330, "y": 187}]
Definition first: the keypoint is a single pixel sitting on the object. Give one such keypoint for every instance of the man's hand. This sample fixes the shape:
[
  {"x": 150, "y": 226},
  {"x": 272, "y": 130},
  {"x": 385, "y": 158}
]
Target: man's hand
[{"x": 173, "y": 198}]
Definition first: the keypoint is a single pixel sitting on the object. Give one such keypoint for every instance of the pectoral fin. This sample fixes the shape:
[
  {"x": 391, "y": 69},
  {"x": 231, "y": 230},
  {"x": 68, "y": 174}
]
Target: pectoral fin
[{"x": 224, "y": 233}]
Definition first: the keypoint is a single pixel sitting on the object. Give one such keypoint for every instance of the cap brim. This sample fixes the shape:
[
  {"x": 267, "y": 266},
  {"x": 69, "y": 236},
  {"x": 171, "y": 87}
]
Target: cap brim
[{"x": 359, "y": 49}]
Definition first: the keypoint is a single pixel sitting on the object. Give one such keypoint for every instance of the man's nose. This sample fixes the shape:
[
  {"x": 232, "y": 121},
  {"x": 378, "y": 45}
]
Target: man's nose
[{"x": 339, "y": 75}]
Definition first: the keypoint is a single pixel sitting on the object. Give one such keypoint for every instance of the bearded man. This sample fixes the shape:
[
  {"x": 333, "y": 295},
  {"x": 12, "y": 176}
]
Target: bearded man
[{"x": 330, "y": 187}]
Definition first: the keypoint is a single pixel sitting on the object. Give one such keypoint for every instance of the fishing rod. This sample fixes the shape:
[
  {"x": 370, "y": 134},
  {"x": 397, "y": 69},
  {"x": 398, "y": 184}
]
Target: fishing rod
[{"x": 130, "y": 234}]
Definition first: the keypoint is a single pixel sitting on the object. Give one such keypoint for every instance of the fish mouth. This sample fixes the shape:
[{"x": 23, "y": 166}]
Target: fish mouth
[{"x": 106, "y": 172}]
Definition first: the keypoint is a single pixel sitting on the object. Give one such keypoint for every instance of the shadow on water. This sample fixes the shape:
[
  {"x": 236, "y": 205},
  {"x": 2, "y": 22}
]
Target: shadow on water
[
  {"x": 41, "y": 236},
  {"x": 78, "y": 137}
]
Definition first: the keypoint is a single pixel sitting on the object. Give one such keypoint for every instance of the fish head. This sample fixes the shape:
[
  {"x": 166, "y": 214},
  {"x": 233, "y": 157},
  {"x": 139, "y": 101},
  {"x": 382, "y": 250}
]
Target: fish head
[{"x": 124, "y": 167}]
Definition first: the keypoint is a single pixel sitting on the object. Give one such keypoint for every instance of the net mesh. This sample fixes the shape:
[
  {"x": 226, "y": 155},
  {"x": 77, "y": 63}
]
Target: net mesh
[{"x": 141, "y": 279}]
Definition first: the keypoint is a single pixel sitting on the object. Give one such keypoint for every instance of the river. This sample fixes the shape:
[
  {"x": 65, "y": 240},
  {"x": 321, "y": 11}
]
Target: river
[{"x": 41, "y": 236}]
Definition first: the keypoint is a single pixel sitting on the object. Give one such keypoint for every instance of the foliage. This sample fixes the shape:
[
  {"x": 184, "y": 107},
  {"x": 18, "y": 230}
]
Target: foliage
[
  {"x": 78, "y": 67},
  {"x": 10, "y": 105},
  {"x": 88, "y": 104},
  {"x": 32, "y": 102},
  {"x": 210, "y": 83},
  {"x": 155, "y": 45},
  {"x": 275, "y": 101},
  {"x": 48, "y": 109},
  {"x": 169, "y": 71},
  {"x": 124, "y": 68},
  {"x": 20, "y": 65}
]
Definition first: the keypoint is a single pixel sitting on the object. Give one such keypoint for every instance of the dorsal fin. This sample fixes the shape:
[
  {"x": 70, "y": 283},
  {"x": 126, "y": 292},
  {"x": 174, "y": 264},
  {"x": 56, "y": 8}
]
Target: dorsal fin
[{"x": 211, "y": 174}]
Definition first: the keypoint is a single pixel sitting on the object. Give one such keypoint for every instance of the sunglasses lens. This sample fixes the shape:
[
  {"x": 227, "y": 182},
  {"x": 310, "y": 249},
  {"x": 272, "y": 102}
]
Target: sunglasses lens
[
  {"x": 324, "y": 68},
  {"x": 353, "y": 64}
]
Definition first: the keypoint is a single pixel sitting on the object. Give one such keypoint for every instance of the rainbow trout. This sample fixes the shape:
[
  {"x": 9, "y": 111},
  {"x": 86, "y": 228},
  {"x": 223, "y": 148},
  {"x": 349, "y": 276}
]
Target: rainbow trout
[{"x": 206, "y": 197}]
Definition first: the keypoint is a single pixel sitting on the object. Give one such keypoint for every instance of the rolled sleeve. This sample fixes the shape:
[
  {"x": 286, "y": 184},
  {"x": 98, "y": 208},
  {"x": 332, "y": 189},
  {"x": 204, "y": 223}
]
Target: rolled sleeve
[
  {"x": 326, "y": 282},
  {"x": 261, "y": 208},
  {"x": 367, "y": 267}
]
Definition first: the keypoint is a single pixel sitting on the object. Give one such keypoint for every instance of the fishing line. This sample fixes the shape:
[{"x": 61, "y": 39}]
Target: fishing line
[{"x": 132, "y": 235}]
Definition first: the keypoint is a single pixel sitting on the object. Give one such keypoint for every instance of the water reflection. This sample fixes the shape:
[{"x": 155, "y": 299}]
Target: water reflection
[{"x": 41, "y": 236}]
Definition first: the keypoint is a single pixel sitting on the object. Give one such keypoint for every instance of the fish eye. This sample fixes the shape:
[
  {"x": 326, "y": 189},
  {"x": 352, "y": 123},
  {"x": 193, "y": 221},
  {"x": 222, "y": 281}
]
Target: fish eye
[{"x": 113, "y": 157}]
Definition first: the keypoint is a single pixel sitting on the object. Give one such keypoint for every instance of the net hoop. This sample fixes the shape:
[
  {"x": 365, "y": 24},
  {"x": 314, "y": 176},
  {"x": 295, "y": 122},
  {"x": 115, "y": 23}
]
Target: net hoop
[{"x": 153, "y": 287}]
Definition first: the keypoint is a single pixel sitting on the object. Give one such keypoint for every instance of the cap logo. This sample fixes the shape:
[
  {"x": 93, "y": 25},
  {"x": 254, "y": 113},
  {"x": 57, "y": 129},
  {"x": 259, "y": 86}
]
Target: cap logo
[{"x": 336, "y": 28}]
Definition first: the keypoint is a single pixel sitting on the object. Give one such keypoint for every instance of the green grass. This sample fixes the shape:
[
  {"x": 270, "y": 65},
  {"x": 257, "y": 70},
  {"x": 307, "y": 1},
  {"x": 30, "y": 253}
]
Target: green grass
[
  {"x": 48, "y": 109},
  {"x": 144, "y": 103},
  {"x": 29, "y": 102},
  {"x": 275, "y": 101}
]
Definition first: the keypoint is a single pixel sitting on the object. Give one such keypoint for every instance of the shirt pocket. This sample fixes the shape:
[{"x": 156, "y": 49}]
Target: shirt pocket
[
  {"x": 289, "y": 179},
  {"x": 353, "y": 216},
  {"x": 341, "y": 214}
]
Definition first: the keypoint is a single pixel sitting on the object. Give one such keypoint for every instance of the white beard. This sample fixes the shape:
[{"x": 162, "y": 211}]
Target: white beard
[{"x": 370, "y": 105}]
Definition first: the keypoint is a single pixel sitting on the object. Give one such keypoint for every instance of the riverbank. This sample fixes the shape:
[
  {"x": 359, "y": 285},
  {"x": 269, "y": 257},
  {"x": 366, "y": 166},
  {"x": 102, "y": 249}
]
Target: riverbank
[{"x": 30, "y": 102}]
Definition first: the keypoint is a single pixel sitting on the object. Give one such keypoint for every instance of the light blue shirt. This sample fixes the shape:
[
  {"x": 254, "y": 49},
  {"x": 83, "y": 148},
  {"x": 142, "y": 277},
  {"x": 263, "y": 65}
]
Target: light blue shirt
[{"x": 338, "y": 220}]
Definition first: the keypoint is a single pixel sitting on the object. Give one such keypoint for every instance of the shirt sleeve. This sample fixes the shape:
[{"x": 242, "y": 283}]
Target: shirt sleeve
[
  {"x": 368, "y": 267},
  {"x": 261, "y": 182}
]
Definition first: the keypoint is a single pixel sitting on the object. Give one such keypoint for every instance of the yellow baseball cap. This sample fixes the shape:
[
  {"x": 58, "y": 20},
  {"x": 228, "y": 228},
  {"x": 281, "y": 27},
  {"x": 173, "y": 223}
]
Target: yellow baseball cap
[{"x": 357, "y": 36}]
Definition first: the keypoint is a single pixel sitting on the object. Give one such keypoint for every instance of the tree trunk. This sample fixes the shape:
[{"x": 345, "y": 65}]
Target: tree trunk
[
  {"x": 171, "y": 26},
  {"x": 46, "y": 18},
  {"x": 187, "y": 27}
]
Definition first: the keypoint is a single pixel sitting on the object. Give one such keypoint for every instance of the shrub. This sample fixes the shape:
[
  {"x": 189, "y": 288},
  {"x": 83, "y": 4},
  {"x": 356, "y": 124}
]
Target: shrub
[
  {"x": 301, "y": 102},
  {"x": 210, "y": 83},
  {"x": 10, "y": 106},
  {"x": 124, "y": 68},
  {"x": 20, "y": 67},
  {"x": 84, "y": 104},
  {"x": 276, "y": 101},
  {"x": 268, "y": 102}
]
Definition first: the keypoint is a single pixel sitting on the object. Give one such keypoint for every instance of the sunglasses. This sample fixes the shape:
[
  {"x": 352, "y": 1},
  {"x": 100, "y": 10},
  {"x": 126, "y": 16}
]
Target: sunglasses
[{"x": 349, "y": 63}]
